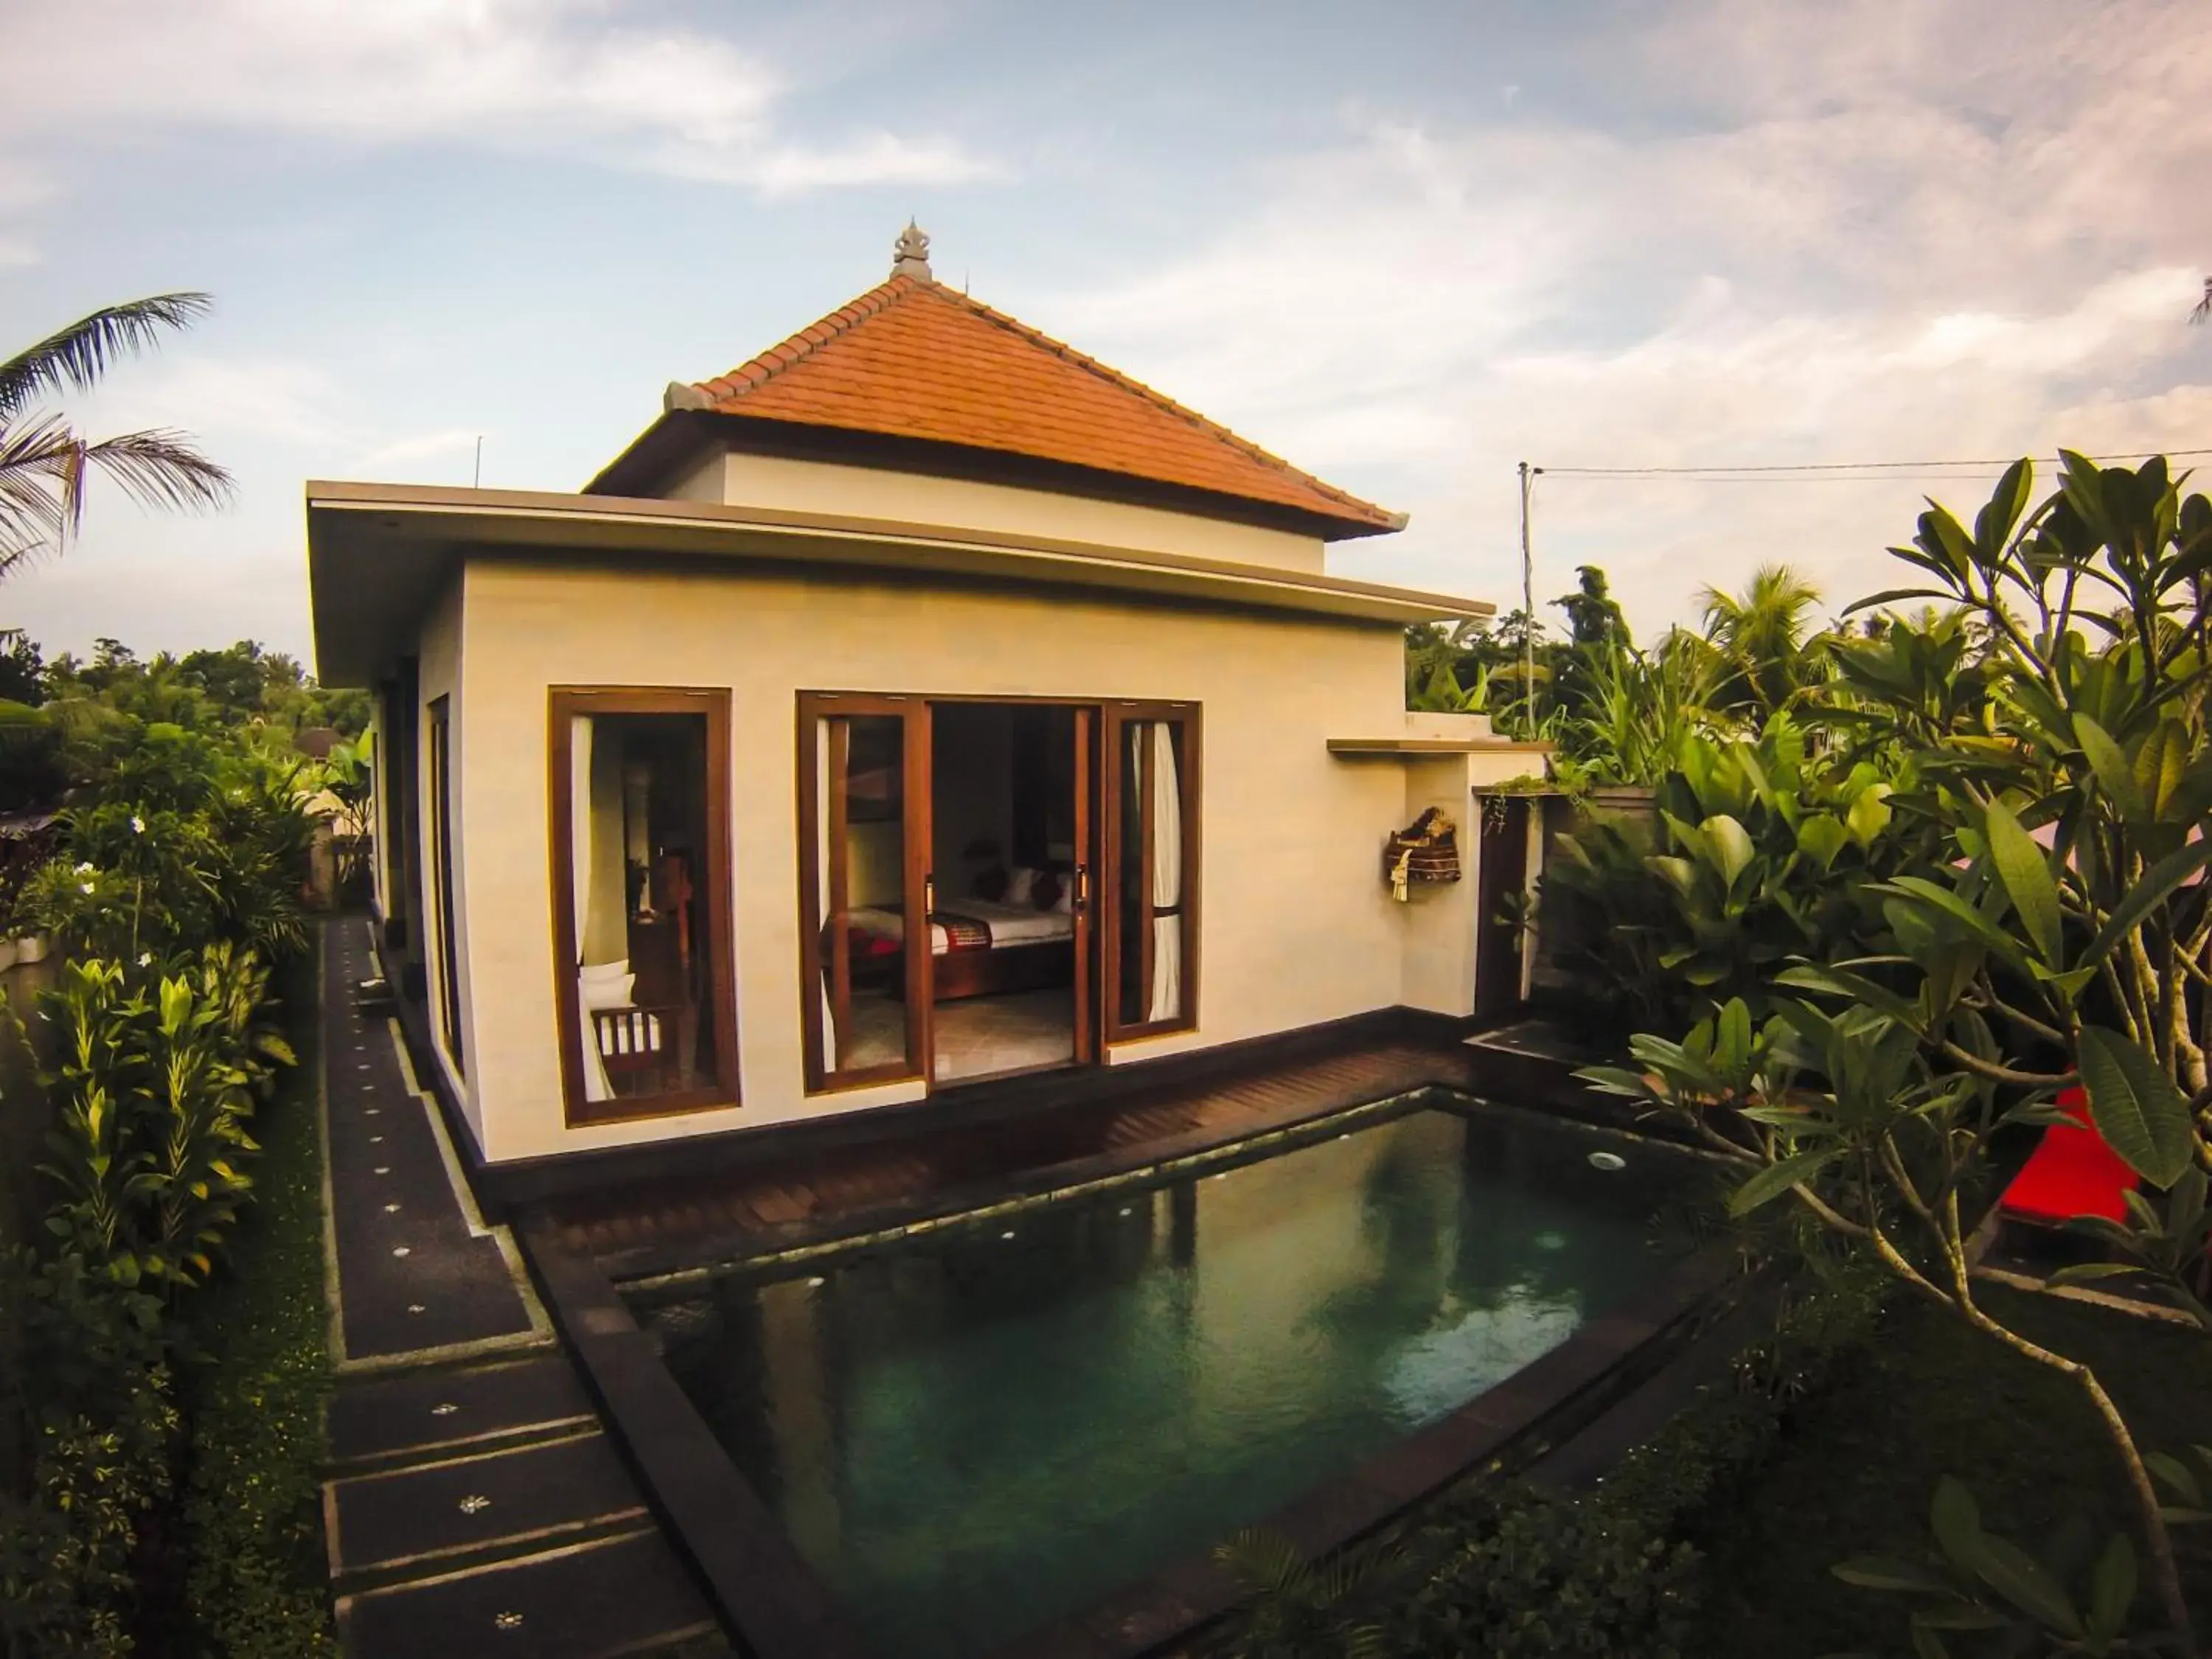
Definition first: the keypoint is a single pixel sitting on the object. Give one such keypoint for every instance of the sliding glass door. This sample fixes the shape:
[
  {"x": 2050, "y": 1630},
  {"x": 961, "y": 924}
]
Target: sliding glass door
[
  {"x": 1150, "y": 764},
  {"x": 865, "y": 902},
  {"x": 1030, "y": 900}
]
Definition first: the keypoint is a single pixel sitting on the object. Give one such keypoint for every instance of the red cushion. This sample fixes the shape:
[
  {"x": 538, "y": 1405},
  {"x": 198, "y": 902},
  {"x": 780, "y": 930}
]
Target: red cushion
[{"x": 2072, "y": 1172}]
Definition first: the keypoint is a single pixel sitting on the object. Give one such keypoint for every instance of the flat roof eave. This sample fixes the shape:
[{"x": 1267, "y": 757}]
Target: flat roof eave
[{"x": 379, "y": 553}]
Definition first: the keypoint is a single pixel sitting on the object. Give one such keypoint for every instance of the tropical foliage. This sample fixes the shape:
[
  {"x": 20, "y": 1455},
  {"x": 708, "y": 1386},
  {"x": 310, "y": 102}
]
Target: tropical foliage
[
  {"x": 2032, "y": 917},
  {"x": 67, "y": 723},
  {"x": 1758, "y": 853},
  {"x": 177, "y": 887},
  {"x": 1617, "y": 714}
]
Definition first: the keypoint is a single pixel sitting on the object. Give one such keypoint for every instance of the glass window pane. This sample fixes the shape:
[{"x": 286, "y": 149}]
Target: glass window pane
[
  {"x": 645, "y": 933},
  {"x": 860, "y": 873},
  {"x": 1149, "y": 885}
]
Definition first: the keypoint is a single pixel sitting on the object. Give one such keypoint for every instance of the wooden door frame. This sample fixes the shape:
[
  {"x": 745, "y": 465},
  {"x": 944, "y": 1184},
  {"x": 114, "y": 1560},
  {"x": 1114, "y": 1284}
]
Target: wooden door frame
[
  {"x": 562, "y": 704},
  {"x": 1092, "y": 983},
  {"x": 1118, "y": 716},
  {"x": 912, "y": 711},
  {"x": 1088, "y": 1014}
]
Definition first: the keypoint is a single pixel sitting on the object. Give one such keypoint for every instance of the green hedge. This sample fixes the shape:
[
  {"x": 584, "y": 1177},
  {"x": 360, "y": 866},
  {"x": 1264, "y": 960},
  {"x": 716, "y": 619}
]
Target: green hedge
[{"x": 255, "y": 1584}]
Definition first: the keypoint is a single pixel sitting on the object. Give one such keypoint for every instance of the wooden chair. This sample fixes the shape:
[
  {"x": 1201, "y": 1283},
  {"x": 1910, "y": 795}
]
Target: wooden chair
[{"x": 637, "y": 1044}]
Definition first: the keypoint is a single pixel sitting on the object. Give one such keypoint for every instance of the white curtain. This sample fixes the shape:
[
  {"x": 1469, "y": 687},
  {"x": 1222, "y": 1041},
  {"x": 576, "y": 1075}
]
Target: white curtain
[
  {"x": 1166, "y": 875},
  {"x": 822, "y": 856},
  {"x": 596, "y": 1086}
]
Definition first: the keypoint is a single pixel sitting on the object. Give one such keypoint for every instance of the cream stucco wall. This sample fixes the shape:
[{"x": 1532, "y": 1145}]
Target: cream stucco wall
[
  {"x": 959, "y": 504},
  {"x": 1296, "y": 925},
  {"x": 1437, "y": 918}
]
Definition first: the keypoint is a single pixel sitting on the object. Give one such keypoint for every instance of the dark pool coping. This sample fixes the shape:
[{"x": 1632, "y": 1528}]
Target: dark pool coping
[
  {"x": 764, "y": 1592},
  {"x": 772, "y": 1600},
  {"x": 1159, "y": 1163}
]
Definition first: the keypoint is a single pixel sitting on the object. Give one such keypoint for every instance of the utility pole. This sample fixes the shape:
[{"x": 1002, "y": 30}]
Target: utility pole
[
  {"x": 476, "y": 483},
  {"x": 1528, "y": 612}
]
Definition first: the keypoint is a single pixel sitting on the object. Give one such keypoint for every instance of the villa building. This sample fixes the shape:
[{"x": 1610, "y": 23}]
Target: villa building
[{"x": 919, "y": 702}]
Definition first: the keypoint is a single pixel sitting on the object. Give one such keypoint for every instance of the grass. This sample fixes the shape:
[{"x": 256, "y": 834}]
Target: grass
[
  {"x": 1934, "y": 1397},
  {"x": 255, "y": 1580}
]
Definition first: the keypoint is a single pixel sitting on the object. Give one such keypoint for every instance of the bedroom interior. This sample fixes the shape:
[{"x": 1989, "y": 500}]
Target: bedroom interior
[
  {"x": 1040, "y": 846},
  {"x": 1003, "y": 870}
]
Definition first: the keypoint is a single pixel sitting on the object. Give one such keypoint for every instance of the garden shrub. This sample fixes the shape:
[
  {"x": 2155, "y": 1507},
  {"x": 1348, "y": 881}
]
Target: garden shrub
[
  {"x": 178, "y": 886},
  {"x": 93, "y": 1408},
  {"x": 251, "y": 1527},
  {"x": 1540, "y": 1576}
]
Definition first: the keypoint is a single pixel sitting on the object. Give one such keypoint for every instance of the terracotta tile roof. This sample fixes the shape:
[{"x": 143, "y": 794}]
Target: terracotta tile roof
[{"x": 913, "y": 359}]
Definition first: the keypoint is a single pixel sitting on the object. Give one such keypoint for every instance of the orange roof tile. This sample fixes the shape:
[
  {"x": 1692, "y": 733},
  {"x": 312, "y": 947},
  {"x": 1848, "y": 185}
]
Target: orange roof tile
[{"x": 913, "y": 359}]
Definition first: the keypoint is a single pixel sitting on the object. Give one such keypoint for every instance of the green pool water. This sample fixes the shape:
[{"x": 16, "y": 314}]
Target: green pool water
[{"x": 973, "y": 1434}]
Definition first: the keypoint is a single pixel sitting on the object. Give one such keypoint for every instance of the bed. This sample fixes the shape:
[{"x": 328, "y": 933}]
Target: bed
[{"x": 981, "y": 947}]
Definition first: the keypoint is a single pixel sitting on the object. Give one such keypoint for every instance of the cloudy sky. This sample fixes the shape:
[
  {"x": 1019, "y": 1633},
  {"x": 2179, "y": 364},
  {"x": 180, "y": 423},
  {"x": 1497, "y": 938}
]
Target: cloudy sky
[{"x": 1405, "y": 245}]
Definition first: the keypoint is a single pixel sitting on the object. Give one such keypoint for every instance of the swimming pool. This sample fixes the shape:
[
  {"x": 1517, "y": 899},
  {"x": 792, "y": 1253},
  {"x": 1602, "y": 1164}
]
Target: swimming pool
[{"x": 972, "y": 1433}]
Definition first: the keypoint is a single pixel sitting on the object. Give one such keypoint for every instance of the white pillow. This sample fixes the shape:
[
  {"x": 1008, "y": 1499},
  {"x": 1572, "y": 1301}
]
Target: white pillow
[
  {"x": 1019, "y": 886},
  {"x": 607, "y": 984},
  {"x": 1064, "y": 904}
]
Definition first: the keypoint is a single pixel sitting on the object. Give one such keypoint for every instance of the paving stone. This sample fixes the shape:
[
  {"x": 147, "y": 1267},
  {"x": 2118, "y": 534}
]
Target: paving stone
[
  {"x": 418, "y": 1412},
  {"x": 619, "y": 1597},
  {"x": 472, "y": 1506},
  {"x": 412, "y": 1277}
]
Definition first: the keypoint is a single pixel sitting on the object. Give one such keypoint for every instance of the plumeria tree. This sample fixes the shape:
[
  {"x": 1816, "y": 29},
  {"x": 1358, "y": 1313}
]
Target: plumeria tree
[{"x": 2058, "y": 933}]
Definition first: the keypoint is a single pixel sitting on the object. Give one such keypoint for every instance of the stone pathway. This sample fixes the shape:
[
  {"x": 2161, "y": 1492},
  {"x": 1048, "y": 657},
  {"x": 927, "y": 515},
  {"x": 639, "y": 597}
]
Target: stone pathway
[{"x": 473, "y": 1505}]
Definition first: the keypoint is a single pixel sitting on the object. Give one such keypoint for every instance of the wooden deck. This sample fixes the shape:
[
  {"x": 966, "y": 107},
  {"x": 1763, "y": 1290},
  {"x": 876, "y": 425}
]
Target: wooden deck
[{"x": 792, "y": 1197}]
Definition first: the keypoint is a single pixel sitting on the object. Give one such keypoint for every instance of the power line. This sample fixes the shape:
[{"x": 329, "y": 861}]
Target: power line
[
  {"x": 1715, "y": 471},
  {"x": 1777, "y": 478}
]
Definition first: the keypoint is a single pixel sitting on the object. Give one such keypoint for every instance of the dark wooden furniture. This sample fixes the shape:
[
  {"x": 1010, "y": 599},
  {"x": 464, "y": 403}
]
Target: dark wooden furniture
[
  {"x": 637, "y": 1046},
  {"x": 719, "y": 1011},
  {"x": 958, "y": 974}
]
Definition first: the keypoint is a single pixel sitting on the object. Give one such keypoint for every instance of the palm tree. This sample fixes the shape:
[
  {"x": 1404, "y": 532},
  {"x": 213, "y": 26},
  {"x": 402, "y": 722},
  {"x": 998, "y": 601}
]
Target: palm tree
[
  {"x": 1760, "y": 634},
  {"x": 44, "y": 460}
]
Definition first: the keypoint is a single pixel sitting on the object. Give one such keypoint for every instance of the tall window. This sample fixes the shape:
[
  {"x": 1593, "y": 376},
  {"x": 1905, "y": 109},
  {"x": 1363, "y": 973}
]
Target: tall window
[
  {"x": 639, "y": 791},
  {"x": 441, "y": 853},
  {"x": 1151, "y": 756}
]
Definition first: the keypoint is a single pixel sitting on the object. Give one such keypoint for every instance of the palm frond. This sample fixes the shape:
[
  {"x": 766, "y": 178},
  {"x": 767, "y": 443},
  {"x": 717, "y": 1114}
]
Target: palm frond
[
  {"x": 78, "y": 355},
  {"x": 1264, "y": 1561},
  {"x": 42, "y": 472},
  {"x": 161, "y": 468}
]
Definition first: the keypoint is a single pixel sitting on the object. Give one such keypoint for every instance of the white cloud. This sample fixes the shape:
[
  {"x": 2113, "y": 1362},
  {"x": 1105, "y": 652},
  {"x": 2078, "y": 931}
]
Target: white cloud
[
  {"x": 1869, "y": 232},
  {"x": 573, "y": 77},
  {"x": 291, "y": 404},
  {"x": 411, "y": 453}
]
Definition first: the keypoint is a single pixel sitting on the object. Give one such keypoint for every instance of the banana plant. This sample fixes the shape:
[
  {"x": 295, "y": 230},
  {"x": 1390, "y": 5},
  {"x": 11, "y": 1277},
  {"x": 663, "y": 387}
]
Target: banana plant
[{"x": 1760, "y": 855}]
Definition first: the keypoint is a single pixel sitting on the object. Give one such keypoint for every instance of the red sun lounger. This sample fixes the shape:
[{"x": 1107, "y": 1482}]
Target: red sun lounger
[{"x": 2072, "y": 1172}]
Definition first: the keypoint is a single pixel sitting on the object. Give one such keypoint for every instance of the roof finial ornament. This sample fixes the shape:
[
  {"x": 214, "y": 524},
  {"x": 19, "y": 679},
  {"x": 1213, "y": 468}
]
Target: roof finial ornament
[{"x": 911, "y": 253}]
